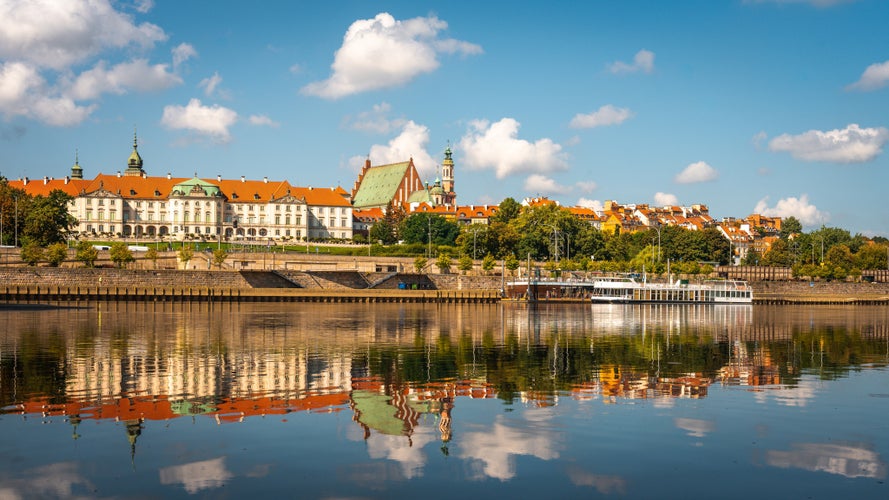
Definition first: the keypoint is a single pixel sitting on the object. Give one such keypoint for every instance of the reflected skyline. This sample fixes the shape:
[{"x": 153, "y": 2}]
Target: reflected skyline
[{"x": 409, "y": 381}]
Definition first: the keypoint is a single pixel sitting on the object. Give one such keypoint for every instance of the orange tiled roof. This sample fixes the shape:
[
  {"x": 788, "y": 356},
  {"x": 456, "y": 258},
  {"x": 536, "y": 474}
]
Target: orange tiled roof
[
  {"x": 329, "y": 196},
  {"x": 43, "y": 187}
]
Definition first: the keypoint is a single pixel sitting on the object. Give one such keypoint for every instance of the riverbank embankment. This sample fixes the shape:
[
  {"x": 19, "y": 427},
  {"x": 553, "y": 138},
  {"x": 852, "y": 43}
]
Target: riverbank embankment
[{"x": 22, "y": 284}]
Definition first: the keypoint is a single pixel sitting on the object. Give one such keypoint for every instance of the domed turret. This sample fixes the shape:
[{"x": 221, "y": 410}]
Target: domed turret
[
  {"x": 134, "y": 164},
  {"x": 76, "y": 171}
]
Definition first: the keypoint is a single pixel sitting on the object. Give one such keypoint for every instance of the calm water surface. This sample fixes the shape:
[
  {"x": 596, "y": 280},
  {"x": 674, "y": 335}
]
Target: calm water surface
[{"x": 381, "y": 401}]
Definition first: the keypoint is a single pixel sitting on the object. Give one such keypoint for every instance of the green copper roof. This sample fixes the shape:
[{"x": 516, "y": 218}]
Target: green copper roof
[
  {"x": 194, "y": 185},
  {"x": 379, "y": 185},
  {"x": 420, "y": 197}
]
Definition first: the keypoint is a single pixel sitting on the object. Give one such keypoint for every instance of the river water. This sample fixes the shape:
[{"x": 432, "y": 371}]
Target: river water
[{"x": 116, "y": 400}]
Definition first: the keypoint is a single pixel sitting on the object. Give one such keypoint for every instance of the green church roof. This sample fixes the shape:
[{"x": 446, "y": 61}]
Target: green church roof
[{"x": 379, "y": 185}]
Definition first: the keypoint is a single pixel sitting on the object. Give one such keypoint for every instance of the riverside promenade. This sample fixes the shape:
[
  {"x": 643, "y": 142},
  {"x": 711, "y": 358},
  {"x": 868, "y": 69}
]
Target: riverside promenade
[{"x": 43, "y": 284}]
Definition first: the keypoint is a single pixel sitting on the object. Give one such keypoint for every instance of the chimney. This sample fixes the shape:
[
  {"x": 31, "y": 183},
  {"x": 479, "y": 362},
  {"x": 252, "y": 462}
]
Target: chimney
[
  {"x": 118, "y": 174},
  {"x": 243, "y": 179},
  {"x": 67, "y": 179},
  {"x": 25, "y": 181},
  {"x": 218, "y": 178},
  {"x": 144, "y": 175},
  {"x": 265, "y": 180},
  {"x": 169, "y": 176},
  {"x": 45, "y": 180}
]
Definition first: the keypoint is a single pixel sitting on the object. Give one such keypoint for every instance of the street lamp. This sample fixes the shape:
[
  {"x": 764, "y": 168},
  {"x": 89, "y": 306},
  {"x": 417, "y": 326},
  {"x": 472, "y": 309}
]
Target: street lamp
[
  {"x": 657, "y": 227},
  {"x": 474, "y": 232},
  {"x": 429, "y": 237}
]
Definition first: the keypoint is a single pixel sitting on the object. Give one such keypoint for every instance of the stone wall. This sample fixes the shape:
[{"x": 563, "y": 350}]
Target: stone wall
[{"x": 102, "y": 277}]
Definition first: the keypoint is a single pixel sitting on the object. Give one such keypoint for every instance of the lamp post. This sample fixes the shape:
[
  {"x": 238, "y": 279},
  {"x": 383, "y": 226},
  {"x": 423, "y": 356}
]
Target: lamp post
[
  {"x": 474, "y": 233},
  {"x": 429, "y": 237},
  {"x": 657, "y": 227},
  {"x": 16, "y": 222}
]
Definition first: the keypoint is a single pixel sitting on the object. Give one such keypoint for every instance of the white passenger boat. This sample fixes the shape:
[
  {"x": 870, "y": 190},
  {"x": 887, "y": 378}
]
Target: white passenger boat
[{"x": 627, "y": 289}]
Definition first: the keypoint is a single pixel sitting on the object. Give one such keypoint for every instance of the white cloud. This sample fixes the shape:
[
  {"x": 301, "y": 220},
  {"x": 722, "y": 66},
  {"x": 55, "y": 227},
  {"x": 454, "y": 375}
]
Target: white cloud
[
  {"x": 876, "y": 76},
  {"x": 135, "y": 75},
  {"x": 212, "y": 121},
  {"x": 588, "y": 203},
  {"x": 263, "y": 120},
  {"x": 643, "y": 62},
  {"x": 606, "y": 115},
  {"x": 295, "y": 69},
  {"x": 586, "y": 186},
  {"x": 182, "y": 53},
  {"x": 375, "y": 120},
  {"x": 410, "y": 143},
  {"x": 696, "y": 172},
  {"x": 209, "y": 84},
  {"x": 541, "y": 184},
  {"x": 58, "y": 34},
  {"x": 383, "y": 52},
  {"x": 197, "y": 476},
  {"x": 849, "y": 145},
  {"x": 665, "y": 199},
  {"x": 23, "y": 92},
  {"x": 497, "y": 146},
  {"x": 805, "y": 212},
  {"x": 758, "y": 139}
]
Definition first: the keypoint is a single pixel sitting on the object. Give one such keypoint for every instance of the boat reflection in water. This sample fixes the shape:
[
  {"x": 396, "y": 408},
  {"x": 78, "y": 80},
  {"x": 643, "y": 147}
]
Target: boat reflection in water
[{"x": 499, "y": 389}]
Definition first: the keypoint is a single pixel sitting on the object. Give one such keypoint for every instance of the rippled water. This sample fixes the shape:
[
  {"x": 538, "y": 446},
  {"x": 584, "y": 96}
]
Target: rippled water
[{"x": 377, "y": 401}]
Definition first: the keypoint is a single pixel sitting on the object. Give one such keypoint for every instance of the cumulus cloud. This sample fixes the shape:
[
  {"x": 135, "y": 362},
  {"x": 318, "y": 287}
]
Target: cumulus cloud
[
  {"x": 593, "y": 204},
  {"x": 606, "y": 115},
  {"x": 383, "y": 52},
  {"x": 541, "y": 184},
  {"x": 144, "y": 6},
  {"x": 136, "y": 75},
  {"x": 496, "y": 146},
  {"x": 849, "y": 145},
  {"x": 697, "y": 172},
  {"x": 182, "y": 53},
  {"x": 262, "y": 121},
  {"x": 876, "y": 76},
  {"x": 375, "y": 121},
  {"x": 805, "y": 212},
  {"x": 643, "y": 62},
  {"x": 665, "y": 199},
  {"x": 410, "y": 143},
  {"x": 41, "y": 41},
  {"x": 58, "y": 34},
  {"x": 23, "y": 92},
  {"x": 211, "y": 121}
]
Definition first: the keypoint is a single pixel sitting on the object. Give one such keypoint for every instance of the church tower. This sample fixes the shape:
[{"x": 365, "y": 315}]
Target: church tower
[
  {"x": 447, "y": 175},
  {"x": 134, "y": 164},
  {"x": 76, "y": 171}
]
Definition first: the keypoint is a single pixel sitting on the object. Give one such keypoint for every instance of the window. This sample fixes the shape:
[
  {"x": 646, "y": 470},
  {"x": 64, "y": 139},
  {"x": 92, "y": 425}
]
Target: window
[{"x": 278, "y": 220}]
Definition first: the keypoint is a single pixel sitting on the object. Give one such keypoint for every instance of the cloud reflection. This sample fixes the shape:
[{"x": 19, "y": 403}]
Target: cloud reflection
[
  {"x": 605, "y": 485},
  {"x": 197, "y": 476},
  {"x": 59, "y": 480},
  {"x": 695, "y": 427},
  {"x": 408, "y": 452},
  {"x": 844, "y": 460},
  {"x": 496, "y": 447}
]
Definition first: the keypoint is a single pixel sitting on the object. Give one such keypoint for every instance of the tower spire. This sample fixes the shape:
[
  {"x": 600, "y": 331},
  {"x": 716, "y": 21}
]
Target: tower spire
[
  {"x": 76, "y": 171},
  {"x": 134, "y": 164}
]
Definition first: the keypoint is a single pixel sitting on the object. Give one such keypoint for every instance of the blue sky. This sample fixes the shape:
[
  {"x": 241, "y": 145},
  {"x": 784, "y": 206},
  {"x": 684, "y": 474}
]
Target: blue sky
[{"x": 773, "y": 106}]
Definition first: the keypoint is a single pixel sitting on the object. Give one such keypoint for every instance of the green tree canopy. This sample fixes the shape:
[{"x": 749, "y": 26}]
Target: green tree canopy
[
  {"x": 56, "y": 254},
  {"x": 87, "y": 254},
  {"x": 120, "y": 254},
  {"x": 47, "y": 220},
  {"x": 419, "y": 227}
]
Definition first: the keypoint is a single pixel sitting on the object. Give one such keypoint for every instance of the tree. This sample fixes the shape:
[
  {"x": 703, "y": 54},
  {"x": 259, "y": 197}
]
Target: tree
[
  {"x": 443, "y": 263},
  {"x": 419, "y": 227},
  {"x": 751, "y": 259},
  {"x": 56, "y": 254},
  {"x": 152, "y": 255},
  {"x": 13, "y": 205},
  {"x": 779, "y": 254},
  {"x": 465, "y": 263},
  {"x": 789, "y": 227},
  {"x": 508, "y": 210},
  {"x": 185, "y": 255},
  {"x": 120, "y": 254},
  {"x": 383, "y": 232},
  {"x": 32, "y": 253},
  {"x": 511, "y": 263},
  {"x": 872, "y": 256},
  {"x": 219, "y": 256},
  {"x": 47, "y": 220},
  {"x": 420, "y": 264},
  {"x": 488, "y": 263},
  {"x": 87, "y": 254}
]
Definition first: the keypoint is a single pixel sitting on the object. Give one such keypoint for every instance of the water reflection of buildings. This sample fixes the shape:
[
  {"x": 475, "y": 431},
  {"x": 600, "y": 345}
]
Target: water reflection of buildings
[{"x": 149, "y": 363}]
